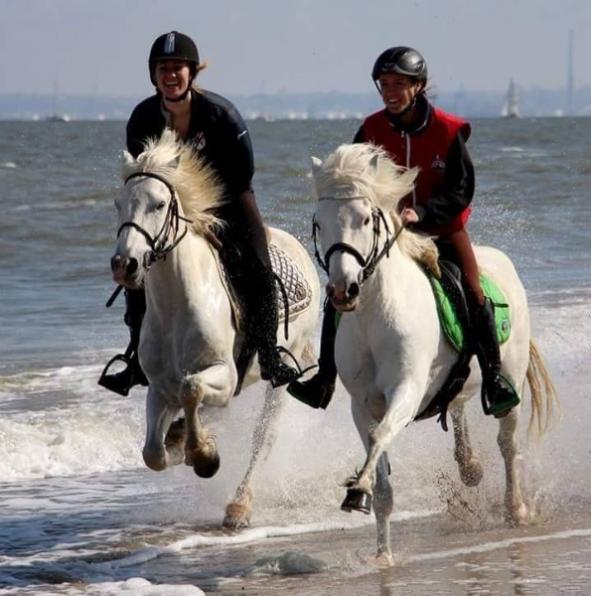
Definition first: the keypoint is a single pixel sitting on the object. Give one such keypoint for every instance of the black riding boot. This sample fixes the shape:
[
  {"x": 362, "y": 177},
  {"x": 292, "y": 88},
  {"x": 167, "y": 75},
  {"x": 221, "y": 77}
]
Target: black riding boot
[
  {"x": 317, "y": 391},
  {"x": 264, "y": 321},
  {"x": 133, "y": 374},
  {"x": 498, "y": 394}
]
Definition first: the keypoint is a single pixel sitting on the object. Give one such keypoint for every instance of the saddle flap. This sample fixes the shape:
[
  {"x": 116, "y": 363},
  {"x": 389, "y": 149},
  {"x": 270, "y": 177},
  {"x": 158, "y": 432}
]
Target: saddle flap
[{"x": 452, "y": 307}]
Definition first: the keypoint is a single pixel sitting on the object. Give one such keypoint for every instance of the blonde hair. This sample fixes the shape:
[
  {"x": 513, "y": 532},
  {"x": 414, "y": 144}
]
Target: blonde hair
[
  {"x": 366, "y": 170},
  {"x": 198, "y": 189}
]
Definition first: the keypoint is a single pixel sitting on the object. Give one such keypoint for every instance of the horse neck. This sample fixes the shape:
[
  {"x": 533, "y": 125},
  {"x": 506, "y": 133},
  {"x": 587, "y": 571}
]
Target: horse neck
[
  {"x": 393, "y": 281},
  {"x": 184, "y": 276}
]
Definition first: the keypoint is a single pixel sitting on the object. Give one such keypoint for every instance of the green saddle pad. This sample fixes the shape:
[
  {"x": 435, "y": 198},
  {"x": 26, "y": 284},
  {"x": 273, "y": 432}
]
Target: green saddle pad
[{"x": 450, "y": 322}]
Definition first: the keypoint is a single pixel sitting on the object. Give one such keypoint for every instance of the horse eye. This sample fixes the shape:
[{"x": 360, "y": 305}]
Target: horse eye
[
  {"x": 161, "y": 205},
  {"x": 366, "y": 222}
]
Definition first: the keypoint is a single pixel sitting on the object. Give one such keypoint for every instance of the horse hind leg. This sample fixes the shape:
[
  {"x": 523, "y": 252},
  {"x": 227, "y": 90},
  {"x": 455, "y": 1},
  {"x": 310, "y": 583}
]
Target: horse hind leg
[
  {"x": 516, "y": 509},
  {"x": 239, "y": 509},
  {"x": 469, "y": 466}
]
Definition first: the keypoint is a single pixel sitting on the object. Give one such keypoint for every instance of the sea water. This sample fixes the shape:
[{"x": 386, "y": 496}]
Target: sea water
[{"x": 79, "y": 511}]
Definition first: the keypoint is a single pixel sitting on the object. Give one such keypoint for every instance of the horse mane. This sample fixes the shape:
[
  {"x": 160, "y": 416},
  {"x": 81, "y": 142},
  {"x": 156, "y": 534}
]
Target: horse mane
[
  {"x": 363, "y": 169},
  {"x": 198, "y": 189}
]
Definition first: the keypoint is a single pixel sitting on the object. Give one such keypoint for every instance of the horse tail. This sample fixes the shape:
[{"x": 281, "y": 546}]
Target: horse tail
[{"x": 545, "y": 402}]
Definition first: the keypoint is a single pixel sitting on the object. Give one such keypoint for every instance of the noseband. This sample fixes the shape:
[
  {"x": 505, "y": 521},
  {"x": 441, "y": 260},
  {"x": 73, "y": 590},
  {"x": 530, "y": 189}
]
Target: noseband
[
  {"x": 158, "y": 243},
  {"x": 369, "y": 263}
]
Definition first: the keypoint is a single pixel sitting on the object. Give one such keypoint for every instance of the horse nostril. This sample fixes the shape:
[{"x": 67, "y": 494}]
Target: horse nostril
[
  {"x": 115, "y": 262},
  {"x": 132, "y": 266},
  {"x": 353, "y": 290}
]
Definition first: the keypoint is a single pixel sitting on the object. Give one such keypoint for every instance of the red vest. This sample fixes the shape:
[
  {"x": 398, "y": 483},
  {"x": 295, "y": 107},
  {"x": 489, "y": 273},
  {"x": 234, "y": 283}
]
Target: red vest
[{"x": 427, "y": 149}]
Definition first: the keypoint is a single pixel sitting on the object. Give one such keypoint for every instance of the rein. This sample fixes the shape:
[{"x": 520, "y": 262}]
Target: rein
[
  {"x": 368, "y": 263},
  {"x": 171, "y": 224}
]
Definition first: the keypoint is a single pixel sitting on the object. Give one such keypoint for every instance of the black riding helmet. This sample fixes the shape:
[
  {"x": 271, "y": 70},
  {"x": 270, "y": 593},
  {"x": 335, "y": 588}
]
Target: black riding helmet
[
  {"x": 401, "y": 60},
  {"x": 173, "y": 46}
]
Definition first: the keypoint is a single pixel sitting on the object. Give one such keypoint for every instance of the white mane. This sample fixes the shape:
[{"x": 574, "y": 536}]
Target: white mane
[
  {"x": 362, "y": 169},
  {"x": 198, "y": 189}
]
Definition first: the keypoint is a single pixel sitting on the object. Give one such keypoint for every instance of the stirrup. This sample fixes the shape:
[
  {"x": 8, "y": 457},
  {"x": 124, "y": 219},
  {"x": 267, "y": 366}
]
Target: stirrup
[
  {"x": 315, "y": 392},
  {"x": 277, "y": 372},
  {"x": 123, "y": 381},
  {"x": 502, "y": 399},
  {"x": 281, "y": 374}
]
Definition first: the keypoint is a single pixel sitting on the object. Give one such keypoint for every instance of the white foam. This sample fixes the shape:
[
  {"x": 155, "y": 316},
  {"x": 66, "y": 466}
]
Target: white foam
[
  {"x": 142, "y": 587},
  {"x": 492, "y": 546},
  {"x": 135, "y": 586},
  {"x": 77, "y": 440},
  {"x": 144, "y": 555}
]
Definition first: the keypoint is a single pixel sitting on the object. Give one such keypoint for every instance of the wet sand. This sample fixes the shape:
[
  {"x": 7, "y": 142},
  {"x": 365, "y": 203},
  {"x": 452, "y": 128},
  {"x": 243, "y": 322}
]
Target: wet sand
[{"x": 433, "y": 555}]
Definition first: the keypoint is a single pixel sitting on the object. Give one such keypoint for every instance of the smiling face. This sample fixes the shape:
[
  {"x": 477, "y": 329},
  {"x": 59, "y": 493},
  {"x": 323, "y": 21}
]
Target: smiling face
[
  {"x": 398, "y": 91},
  {"x": 172, "y": 77}
]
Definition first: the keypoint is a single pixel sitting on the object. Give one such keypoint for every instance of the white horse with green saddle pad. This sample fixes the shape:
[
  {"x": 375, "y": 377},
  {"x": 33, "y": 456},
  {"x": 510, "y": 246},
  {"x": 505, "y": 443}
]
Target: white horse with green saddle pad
[
  {"x": 391, "y": 353},
  {"x": 189, "y": 340}
]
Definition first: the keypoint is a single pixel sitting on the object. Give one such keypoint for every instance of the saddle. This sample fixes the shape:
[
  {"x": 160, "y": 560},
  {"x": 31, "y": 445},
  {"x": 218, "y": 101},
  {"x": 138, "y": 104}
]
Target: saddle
[
  {"x": 454, "y": 317},
  {"x": 294, "y": 296}
]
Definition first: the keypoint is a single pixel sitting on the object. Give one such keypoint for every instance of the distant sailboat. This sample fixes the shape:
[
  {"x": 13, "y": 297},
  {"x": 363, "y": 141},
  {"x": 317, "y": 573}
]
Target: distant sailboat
[
  {"x": 511, "y": 105},
  {"x": 56, "y": 116}
]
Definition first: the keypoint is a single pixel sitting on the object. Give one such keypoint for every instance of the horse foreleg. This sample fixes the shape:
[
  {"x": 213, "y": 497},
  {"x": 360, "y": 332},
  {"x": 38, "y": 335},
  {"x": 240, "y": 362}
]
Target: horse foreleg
[
  {"x": 382, "y": 488},
  {"x": 238, "y": 510},
  {"x": 383, "y": 506},
  {"x": 468, "y": 464},
  {"x": 516, "y": 510},
  {"x": 159, "y": 414},
  {"x": 212, "y": 386},
  {"x": 400, "y": 408}
]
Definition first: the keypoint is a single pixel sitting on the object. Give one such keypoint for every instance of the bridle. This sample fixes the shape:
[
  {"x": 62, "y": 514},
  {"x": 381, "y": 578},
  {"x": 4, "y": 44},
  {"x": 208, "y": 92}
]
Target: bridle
[
  {"x": 169, "y": 228},
  {"x": 369, "y": 263}
]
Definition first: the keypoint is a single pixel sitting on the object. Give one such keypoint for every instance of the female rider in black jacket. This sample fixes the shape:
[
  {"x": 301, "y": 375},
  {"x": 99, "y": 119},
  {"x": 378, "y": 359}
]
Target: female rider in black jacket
[{"x": 215, "y": 129}]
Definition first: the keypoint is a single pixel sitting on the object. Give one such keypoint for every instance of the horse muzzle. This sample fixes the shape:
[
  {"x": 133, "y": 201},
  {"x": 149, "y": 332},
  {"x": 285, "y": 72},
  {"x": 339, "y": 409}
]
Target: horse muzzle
[
  {"x": 344, "y": 300},
  {"x": 126, "y": 271}
]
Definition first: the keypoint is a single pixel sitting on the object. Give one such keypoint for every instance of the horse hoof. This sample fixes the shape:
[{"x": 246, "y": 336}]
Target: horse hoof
[
  {"x": 519, "y": 516},
  {"x": 237, "y": 516},
  {"x": 357, "y": 500},
  {"x": 471, "y": 474},
  {"x": 385, "y": 560},
  {"x": 207, "y": 467}
]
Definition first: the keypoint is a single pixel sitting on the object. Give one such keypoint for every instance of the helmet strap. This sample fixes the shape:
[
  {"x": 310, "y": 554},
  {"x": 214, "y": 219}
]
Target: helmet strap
[
  {"x": 407, "y": 109},
  {"x": 184, "y": 95},
  {"x": 181, "y": 98}
]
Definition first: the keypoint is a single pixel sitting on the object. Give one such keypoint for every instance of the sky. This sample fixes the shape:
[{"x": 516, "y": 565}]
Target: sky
[{"x": 100, "y": 47}]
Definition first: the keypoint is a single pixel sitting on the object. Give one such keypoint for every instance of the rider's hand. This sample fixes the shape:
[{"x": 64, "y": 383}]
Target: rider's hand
[{"x": 409, "y": 216}]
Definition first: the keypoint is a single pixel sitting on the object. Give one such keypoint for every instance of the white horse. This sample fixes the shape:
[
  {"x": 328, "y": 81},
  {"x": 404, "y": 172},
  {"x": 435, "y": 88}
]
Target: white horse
[
  {"x": 391, "y": 354},
  {"x": 188, "y": 342}
]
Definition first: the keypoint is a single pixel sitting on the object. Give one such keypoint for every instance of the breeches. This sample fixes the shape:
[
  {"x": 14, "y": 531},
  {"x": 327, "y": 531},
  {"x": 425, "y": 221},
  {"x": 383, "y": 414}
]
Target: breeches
[{"x": 457, "y": 248}]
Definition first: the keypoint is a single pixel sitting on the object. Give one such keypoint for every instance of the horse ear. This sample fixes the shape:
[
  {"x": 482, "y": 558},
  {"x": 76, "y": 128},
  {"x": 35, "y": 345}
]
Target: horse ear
[
  {"x": 406, "y": 180},
  {"x": 316, "y": 164},
  {"x": 374, "y": 162},
  {"x": 409, "y": 177},
  {"x": 127, "y": 159}
]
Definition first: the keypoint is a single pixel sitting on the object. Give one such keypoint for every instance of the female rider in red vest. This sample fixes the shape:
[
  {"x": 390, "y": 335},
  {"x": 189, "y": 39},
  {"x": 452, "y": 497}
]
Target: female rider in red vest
[
  {"x": 217, "y": 133},
  {"x": 415, "y": 133}
]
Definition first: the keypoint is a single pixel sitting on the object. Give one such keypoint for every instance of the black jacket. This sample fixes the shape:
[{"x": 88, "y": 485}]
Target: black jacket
[{"x": 217, "y": 133}]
